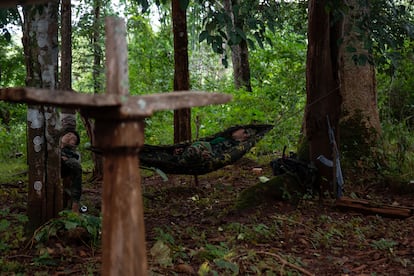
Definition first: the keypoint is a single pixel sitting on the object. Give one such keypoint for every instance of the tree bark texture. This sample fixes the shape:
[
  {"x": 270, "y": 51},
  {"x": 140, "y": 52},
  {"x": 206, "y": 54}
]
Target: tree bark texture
[
  {"x": 322, "y": 86},
  {"x": 66, "y": 46},
  {"x": 67, "y": 116},
  {"x": 97, "y": 51},
  {"x": 360, "y": 123},
  {"x": 123, "y": 235},
  {"x": 239, "y": 52},
  {"x": 97, "y": 173},
  {"x": 41, "y": 55},
  {"x": 182, "y": 117}
]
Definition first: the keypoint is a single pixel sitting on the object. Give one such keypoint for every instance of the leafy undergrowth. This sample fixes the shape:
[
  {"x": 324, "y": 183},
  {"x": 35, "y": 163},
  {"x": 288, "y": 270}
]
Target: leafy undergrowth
[{"x": 194, "y": 229}]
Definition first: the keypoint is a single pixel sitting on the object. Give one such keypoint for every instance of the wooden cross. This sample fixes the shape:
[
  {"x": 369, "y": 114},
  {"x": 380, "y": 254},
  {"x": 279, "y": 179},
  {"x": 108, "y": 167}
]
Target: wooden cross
[{"x": 119, "y": 132}]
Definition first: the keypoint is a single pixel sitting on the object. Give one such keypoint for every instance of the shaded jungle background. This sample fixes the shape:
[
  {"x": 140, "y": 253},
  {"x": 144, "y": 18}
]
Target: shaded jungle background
[{"x": 207, "y": 235}]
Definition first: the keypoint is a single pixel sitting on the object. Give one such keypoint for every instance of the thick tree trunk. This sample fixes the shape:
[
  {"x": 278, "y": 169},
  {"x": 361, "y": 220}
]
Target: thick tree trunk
[
  {"x": 339, "y": 85},
  {"x": 239, "y": 52},
  {"x": 41, "y": 52},
  {"x": 322, "y": 85},
  {"x": 360, "y": 124},
  {"x": 182, "y": 117}
]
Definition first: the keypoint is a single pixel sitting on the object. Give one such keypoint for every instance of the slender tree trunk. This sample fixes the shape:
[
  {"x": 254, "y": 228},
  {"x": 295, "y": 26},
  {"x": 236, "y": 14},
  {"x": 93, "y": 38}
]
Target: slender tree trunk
[
  {"x": 89, "y": 123},
  {"x": 40, "y": 34},
  {"x": 97, "y": 87},
  {"x": 182, "y": 117},
  {"x": 67, "y": 116},
  {"x": 239, "y": 52},
  {"x": 322, "y": 85},
  {"x": 97, "y": 50}
]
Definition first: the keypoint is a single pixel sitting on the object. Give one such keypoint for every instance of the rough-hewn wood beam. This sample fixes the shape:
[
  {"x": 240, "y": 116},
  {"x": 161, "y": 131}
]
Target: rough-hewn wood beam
[
  {"x": 58, "y": 97},
  {"x": 122, "y": 105}
]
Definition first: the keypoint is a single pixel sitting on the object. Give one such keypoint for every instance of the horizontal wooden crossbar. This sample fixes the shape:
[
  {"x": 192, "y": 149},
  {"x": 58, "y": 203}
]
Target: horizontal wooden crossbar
[{"x": 115, "y": 106}]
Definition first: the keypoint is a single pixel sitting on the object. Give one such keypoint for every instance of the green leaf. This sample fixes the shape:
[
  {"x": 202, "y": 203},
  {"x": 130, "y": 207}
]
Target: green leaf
[
  {"x": 4, "y": 224},
  {"x": 204, "y": 269},
  {"x": 203, "y": 36},
  {"x": 251, "y": 44},
  {"x": 350, "y": 49},
  {"x": 184, "y": 4},
  {"x": 362, "y": 59},
  {"x": 227, "y": 265},
  {"x": 162, "y": 174},
  {"x": 241, "y": 33},
  {"x": 161, "y": 254},
  {"x": 71, "y": 224}
]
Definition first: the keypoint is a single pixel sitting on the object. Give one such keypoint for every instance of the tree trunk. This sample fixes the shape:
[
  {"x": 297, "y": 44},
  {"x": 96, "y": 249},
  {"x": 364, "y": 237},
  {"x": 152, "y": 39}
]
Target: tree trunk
[
  {"x": 97, "y": 50},
  {"x": 360, "y": 124},
  {"x": 40, "y": 34},
  {"x": 67, "y": 116},
  {"x": 182, "y": 117},
  {"x": 239, "y": 52},
  {"x": 339, "y": 85},
  {"x": 322, "y": 86},
  {"x": 89, "y": 123}
]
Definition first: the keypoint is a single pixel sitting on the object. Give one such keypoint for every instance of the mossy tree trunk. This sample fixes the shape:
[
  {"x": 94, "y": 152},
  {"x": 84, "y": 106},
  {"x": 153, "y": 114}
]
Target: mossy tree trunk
[
  {"x": 359, "y": 121},
  {"x": 340, "y": 85},
  {"x": 239, "y": 52},
  {"x": 322, "y": 86},
  {"x": 40, "y": 43}
]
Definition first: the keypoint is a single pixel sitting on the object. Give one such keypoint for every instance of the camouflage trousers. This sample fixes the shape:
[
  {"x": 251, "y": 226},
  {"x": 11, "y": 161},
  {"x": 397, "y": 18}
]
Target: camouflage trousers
[
  {"x": 197, "y": 153},
  {"x": 72, "y": 168}
]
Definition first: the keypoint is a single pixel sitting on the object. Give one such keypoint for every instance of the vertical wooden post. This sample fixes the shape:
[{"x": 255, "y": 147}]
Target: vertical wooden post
[{"x": 123, "y": 237}]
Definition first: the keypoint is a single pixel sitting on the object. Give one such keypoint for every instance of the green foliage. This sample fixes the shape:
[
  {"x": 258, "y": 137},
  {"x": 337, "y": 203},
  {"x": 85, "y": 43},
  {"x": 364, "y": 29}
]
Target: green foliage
[
  {"x": 11, "y": 230},
  {"x": 151, "y": 65},
  {"x": 395, "y": 91},
  {"x": 163, "y": 236},
  {"x": 11, "y": 267},
  {"x": 8, "y": 18},
  {"x": 69, "y": 221},
  {"x": 384, "y": 244},
  {"x": 12, "y": 70},
  {"x": 160, "y": 253},
  {"x": 382, "y": 26},
  {"x": 243, "y": 21},
  {"x": 13, "y": 138},
  {"x": 396, "y": 105},
  {"x": 397, "y": 150}
]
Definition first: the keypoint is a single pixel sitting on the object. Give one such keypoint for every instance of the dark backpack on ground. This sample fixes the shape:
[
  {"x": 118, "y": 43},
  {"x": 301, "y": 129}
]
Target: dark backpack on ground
[{"x": 306, "y": 173}]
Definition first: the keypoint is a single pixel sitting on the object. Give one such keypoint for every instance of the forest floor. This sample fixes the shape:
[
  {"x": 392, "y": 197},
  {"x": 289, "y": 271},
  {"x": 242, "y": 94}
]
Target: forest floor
[{"x": 194, "y": 229}]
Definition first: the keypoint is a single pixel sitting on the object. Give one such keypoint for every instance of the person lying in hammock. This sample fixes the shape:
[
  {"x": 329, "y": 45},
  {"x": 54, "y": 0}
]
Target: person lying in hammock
[{"x": 201, "y": 150}]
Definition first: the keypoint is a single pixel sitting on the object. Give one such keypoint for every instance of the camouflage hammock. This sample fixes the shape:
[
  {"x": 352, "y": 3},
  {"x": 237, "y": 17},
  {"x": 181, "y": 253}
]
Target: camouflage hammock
[{"x": 204, "y": 155}]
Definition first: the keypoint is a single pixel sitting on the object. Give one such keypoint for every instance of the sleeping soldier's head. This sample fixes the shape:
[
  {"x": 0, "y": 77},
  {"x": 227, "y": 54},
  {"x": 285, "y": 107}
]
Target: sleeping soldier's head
[
  {"x": 70, "y": 138},
  {"x": 240, "y": 135}
]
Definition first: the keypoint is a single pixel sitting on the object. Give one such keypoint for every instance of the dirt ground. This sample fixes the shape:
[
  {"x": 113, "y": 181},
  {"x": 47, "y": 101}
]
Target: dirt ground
[{"x": 194, "y": 229}]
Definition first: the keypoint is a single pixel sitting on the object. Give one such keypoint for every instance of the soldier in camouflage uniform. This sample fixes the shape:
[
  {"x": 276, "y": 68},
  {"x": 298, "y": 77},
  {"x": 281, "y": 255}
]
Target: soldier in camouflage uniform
[
  {"x": 71, "y": 167},
  {"x": 201, "y": 151}
]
